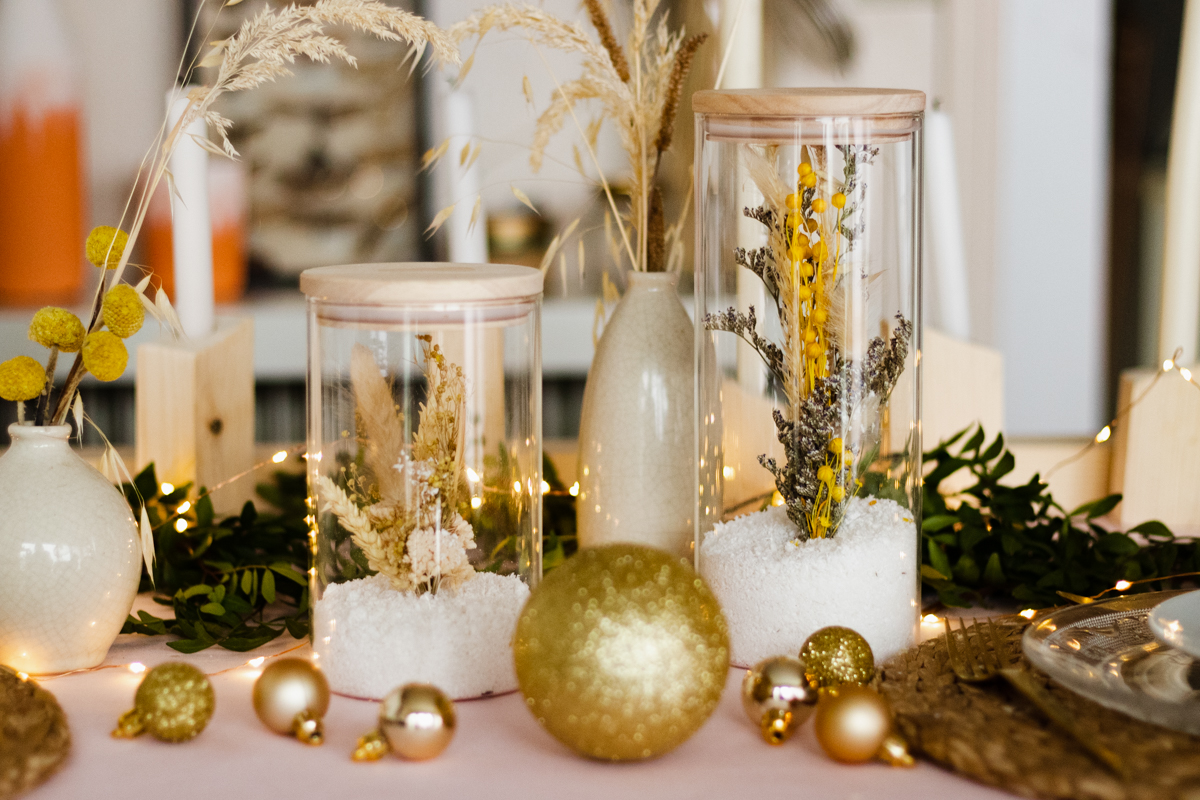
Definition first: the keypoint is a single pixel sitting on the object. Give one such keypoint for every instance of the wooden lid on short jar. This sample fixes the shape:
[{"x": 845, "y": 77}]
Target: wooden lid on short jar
[
  {"x": 400, "y": 284},
  {"x": 816, "y": 102}
]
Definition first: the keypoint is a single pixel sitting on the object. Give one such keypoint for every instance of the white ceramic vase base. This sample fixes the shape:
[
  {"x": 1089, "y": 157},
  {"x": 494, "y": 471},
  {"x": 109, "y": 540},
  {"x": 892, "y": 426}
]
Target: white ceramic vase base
[
  {"x": 70, "y": 557},
  {"x": 636, "y": 456}
]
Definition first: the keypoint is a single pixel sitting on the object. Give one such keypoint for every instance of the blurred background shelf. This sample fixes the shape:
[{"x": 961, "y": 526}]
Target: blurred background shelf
[{"x": 280, "y": 361}]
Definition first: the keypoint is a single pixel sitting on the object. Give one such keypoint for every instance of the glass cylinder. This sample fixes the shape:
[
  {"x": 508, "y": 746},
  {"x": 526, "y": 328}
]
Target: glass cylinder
[
  {"x": 424, "y": 471},
  {"x": 808, "y": 434}
]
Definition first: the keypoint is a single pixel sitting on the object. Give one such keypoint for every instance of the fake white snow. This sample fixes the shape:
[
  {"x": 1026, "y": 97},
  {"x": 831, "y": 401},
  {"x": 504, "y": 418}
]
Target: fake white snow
[
  {"x": 776, "y": 591},
  {"x": 371, "y": 638}
]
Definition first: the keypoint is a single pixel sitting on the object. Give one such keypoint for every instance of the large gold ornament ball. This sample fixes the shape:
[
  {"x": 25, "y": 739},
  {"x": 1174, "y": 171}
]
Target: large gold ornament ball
[
  {"x": 852, "y": 723},
  {"x": 837, "y": 655},
  {"x": 777, "y": 698},
  {"x": 289, "y": 693},
  {"x": 622, "y": 652},
  {"x": 174, "y": 702},
  {"x": 417, "y": 720}
]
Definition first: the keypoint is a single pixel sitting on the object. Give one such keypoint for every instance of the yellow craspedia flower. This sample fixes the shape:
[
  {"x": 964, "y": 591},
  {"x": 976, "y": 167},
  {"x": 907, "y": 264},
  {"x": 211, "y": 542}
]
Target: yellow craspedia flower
[
  {"x": 57, "y": 327},
  {"x": 104, "y": 355},
  {"x": 105, "y": 245},
  {"x": 123, "y": 312},
  {"x": 21, "y": 378}
]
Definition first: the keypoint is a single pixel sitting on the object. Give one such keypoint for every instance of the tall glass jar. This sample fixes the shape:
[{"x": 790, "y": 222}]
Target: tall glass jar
[
  {"x": 808, "y": 434},
  {"x": 424, "y": 470}
]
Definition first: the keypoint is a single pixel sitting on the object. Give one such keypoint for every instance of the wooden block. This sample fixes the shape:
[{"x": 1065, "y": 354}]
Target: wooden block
[
  {"x": 962, "y": 384},
  {"x": 1156, "y": 452},
  {"x": 1081, "y": 481},
  {"x": 195, "y": 411}
]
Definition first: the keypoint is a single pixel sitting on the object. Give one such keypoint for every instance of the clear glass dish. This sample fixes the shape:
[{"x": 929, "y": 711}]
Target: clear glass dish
[{"x": 1105, "y": 652}]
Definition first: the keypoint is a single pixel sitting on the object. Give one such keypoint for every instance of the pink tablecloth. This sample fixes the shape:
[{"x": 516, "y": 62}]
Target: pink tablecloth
[{"x": 499, "y": 753}]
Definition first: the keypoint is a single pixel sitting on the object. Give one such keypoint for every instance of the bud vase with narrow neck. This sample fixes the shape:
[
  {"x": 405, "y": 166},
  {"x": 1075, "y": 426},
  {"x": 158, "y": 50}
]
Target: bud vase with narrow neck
[
  {"x": 636, "y": 453},
  {"x": 70, "y": 558}
]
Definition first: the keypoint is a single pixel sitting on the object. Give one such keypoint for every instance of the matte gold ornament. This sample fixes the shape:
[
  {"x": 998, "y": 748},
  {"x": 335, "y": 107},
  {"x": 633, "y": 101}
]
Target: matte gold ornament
[
  {"x": 173, "y": 703},
  {"x": 416, "y": 722},
  {"x": 291, "y": 697},
  {"x": 622, "y": 652},
  {"x": 837, "y": 655},
  {"x": 777, "y": 697},
  {"x": 853, "y": 724}
]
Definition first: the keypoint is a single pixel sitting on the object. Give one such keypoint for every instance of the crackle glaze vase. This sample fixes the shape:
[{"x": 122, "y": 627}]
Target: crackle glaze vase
[
  {"x": 636, "y": 452},
  {"x": 70, "y": 557}
]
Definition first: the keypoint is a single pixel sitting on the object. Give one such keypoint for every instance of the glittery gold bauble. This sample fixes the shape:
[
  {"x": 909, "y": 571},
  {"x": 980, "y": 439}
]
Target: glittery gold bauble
[
  {"x": 622, "y": 652},
  {"x": 34, "y": 737},
  {"x": 173, "y": 703},
  {"x": 836, "y": 655},
  {"x": 777, "y": 697},
  {"x": 416, "y": 721},
  {"x": 290, "y": 697},
  {"x": 852, "y": 723}
]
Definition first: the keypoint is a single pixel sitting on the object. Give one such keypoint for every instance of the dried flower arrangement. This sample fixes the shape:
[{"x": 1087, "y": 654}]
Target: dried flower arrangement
[
  {"x": 261, "y": 51},
  {"x": 638, "y": 86},
  {"x": 404, "y": 514},
  {"x": 810, "y": 232}
]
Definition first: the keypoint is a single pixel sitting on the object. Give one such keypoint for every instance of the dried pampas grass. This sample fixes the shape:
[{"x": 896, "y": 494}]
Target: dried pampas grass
[{"x": 637, "y": 86}]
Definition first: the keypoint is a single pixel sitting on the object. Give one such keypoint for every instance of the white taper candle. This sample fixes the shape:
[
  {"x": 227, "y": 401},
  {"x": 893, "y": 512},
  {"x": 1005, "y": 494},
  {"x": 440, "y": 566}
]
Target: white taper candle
[
  {"x": 191, "y": 226},
  {"x": 1179, "y": 322}
]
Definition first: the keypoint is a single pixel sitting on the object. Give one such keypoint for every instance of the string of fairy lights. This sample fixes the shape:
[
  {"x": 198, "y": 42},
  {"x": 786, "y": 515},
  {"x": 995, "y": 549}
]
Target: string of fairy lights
[{"x": 1169, "y": 365}]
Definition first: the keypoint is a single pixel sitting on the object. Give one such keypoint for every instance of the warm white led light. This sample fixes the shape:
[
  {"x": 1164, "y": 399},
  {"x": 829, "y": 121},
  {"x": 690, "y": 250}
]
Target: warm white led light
[
  {"x": 181, "y": 525},
  {"x": 137, "y": 668},
  {"x": 545, "y": 488},
  {"x": 1104, "y": 434},
  {"x": 279, "y": 457},
  {"x": 574, "y": 490},
  {"x": 184, "y": 506},
  {"x": 167, "y": 488},
  {"x": 1028, "y": 613},
  {"x": 1123, "y": 585}
]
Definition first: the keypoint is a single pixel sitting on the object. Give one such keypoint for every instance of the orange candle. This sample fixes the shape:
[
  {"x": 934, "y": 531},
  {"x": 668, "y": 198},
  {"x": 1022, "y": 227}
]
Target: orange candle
[{"x": 41, "y": 175}]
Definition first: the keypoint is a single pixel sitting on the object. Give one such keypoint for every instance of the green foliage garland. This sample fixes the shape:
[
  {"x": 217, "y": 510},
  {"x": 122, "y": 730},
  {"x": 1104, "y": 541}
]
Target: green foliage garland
[
  {"x": 238, "y": 582},
  {"x": 1016, "y": 543}
]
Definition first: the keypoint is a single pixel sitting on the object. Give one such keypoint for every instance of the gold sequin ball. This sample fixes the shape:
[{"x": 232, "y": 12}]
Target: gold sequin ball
[
  {"x": 622, "y": 652},
  {"x": 836, "y": 655}
]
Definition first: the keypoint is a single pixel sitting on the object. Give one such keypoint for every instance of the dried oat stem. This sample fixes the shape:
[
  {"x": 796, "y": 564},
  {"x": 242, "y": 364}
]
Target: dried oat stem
[{"x": 262, "y": 50}]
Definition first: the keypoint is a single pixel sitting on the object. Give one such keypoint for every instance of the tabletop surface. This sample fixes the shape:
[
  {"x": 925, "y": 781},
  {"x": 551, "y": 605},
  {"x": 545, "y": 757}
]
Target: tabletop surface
[{"x": 499, "y": 752}]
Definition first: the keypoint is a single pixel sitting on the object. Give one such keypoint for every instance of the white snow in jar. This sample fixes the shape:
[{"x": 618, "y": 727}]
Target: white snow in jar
[
  {"x": 372, "y": 638},
  {"x": 776, "y": 591}
]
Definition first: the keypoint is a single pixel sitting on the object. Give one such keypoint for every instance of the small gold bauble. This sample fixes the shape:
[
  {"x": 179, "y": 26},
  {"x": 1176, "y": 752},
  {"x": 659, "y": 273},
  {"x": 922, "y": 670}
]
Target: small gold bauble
[
  {"x": 622, "y": 652},
  {"x": 417, "y": 720},
  {"x": 173, "y": 703},
  {"x": 290, "y": 697},
  {"x": 777, "y": 697},
  {"x": 837, "y": 655},
  {"x": 852, "y": 723}
]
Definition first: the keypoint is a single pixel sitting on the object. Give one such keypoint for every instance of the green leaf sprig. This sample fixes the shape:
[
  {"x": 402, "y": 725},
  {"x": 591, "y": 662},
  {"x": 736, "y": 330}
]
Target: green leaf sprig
[
  {"x": 238, "y": 582},
  {"x": 1016, "y": 543}
]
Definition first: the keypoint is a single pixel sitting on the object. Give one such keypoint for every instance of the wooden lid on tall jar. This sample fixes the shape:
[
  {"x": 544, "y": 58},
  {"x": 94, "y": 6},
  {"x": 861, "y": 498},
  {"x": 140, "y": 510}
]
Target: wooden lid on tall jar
[{"x": 769, "y": 114}]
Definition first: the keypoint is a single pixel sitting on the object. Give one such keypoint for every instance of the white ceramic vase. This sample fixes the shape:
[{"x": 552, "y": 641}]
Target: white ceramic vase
[
  {"x": 636, "y": 453},
  {"x": 70, "y": 558}
]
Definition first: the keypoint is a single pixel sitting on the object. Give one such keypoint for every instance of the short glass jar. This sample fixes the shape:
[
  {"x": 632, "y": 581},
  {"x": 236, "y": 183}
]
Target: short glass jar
[
  {"x": 808, "y": 334},
  {"x": 425, "y": 471}
]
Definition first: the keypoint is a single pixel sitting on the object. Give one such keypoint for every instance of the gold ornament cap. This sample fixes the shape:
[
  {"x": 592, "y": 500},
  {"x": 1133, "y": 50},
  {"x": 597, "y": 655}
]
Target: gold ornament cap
[
  {"x": 174, "y": 703},
  {"x": 291, "y": 697},
  {"x": 837, "y": 655},
  {"x": 777, "y": 698},
  {"x": 416, "y": 722}
]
